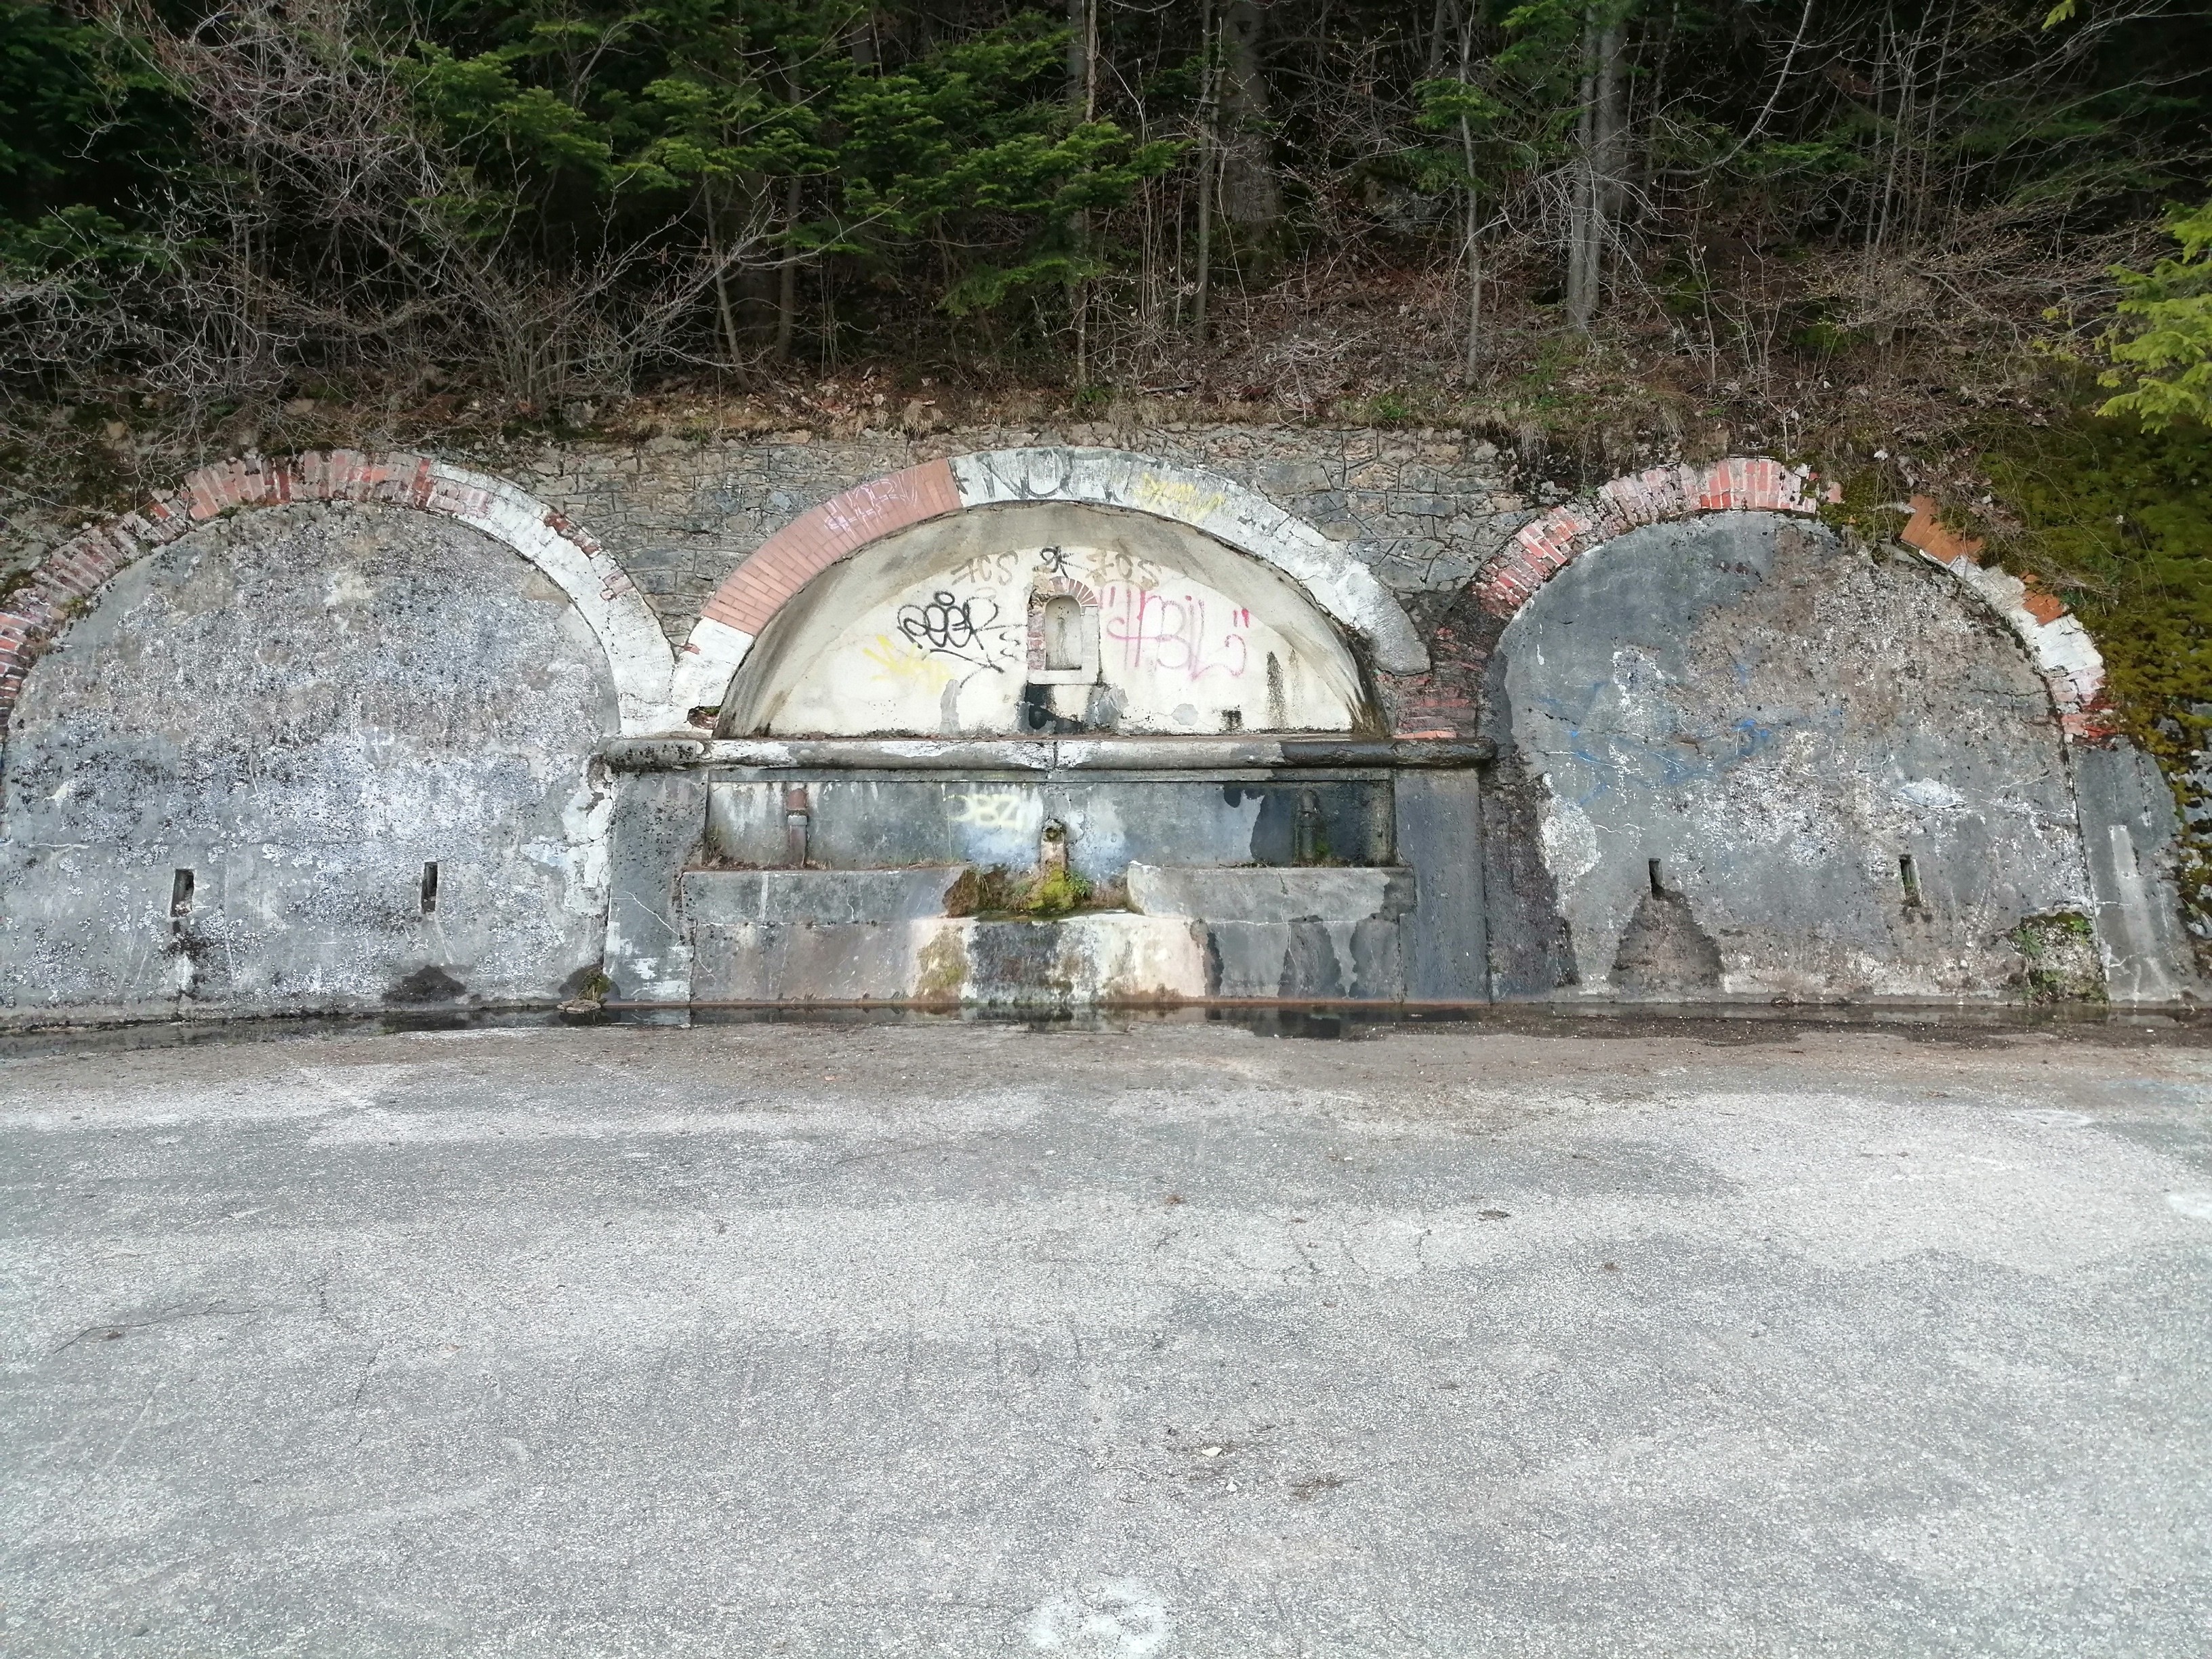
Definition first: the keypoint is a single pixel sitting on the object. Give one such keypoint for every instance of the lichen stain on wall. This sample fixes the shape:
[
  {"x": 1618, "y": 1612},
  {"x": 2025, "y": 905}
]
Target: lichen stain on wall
[
  {"x": 304, "y": 707},
  {"x": 1750, "y": 721}
]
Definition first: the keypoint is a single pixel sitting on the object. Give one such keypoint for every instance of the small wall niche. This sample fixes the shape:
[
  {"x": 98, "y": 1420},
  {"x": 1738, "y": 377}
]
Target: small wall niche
[
  {"x": 429, "y": 889},
  {"x": 1063, "y": 634}
]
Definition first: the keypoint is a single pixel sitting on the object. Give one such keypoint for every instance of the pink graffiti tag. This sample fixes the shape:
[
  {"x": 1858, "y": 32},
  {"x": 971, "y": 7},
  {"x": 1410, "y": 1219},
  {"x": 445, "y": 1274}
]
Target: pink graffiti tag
[{"x": 1170, "y": 635}]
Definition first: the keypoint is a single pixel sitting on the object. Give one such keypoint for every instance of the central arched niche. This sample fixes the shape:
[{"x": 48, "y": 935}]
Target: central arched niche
[{"x": 1047, "y": 617}]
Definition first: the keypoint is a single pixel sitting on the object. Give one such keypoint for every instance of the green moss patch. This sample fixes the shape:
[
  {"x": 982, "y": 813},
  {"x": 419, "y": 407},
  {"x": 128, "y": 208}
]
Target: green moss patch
[
  {"x": 999, "y": 894},
  {"x": 2118, "y": 521},
  {"x": 2059, "y": 952}
]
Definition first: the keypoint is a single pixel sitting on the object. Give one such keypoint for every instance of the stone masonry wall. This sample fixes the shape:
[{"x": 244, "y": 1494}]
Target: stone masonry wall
[
  {"x": 637, "y": 536},
  {"x": 1422, "y": 509}
]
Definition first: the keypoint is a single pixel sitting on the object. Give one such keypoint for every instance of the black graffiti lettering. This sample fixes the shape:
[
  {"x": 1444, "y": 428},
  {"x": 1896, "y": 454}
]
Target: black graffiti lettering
[{"x": 950, "y": 626}]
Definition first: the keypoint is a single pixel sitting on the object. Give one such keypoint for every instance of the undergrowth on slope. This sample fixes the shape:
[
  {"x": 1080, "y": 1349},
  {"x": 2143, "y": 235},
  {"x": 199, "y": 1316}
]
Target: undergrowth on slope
[{"x": 2118, "y": 520}]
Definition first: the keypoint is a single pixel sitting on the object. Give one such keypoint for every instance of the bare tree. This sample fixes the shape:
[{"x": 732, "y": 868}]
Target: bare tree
[
  {"x": 1251, "y": 188},
  {"x": 1601, "y": 132},
  {"x": 338, "y": 236}
]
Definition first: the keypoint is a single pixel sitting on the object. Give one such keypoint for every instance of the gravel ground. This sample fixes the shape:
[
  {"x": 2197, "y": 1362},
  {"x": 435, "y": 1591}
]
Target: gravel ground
[{"x": 1525, "y": 1336}]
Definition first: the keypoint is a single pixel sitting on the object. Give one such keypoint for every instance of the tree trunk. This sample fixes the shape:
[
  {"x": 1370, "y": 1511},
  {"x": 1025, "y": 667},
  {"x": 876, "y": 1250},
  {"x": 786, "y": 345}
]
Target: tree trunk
[
  {"x": 1079, "y": 55},
  {"x": 1601, "y": 133},
  {"x": 723, "y": 310},
  {"x": 1206, "y": 172},
  {"x": 1251, "y": 189},
  {"x": 1582, "y": 219},
  {"x": 787, "y": 284},
  {"x": 1611, "y": 134},
  {"x": 1082, "y": 98},
  {"x": 1474, "y": 211},
  {"x": 1438, "y": 38}
]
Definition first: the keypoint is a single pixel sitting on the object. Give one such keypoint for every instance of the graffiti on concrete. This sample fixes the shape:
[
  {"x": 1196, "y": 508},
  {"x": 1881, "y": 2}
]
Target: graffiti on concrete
[
  {"x": 1173, "y": 635},
  {"x": 966, "y": 645},
  {"x": 969, "y": 629},
  {"x": 997, "y": 809}
]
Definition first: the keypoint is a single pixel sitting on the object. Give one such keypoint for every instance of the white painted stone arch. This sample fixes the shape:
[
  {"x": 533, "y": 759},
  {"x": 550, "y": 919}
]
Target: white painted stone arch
[
  {"x": 639, "y": 659},
  {"x": 1218, "y": 507},
  {"x": 1226, "y": 510}
]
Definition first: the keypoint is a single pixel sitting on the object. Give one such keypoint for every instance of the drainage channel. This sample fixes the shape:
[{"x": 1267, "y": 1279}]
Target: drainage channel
[{"x": 1325, "y": 1020}]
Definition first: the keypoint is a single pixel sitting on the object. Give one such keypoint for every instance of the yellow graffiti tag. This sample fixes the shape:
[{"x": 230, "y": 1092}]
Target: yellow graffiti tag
[
  {"x": 1177, "y": 498},
  {"x": 995, "y": 810},
  {"x": 900, "y": 663}
]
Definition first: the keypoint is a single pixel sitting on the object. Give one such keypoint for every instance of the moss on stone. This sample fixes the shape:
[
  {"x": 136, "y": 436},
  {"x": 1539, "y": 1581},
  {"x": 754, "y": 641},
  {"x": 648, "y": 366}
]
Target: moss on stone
[
  {"x": 2060, "y": 953},
  {"x": 941, "y": 969},
  {"x": 999, "y": 894},
  {"x": 2118, "y": 520}
]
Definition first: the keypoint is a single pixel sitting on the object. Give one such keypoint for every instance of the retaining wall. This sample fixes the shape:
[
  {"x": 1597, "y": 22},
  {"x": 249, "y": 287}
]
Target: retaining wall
[{"x": 1718, "y": 727}]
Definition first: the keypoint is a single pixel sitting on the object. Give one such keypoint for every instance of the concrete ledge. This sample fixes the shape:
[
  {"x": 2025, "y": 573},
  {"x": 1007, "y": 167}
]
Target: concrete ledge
[
  {"x": 963, "y": 755},
  {"x": 1271, "y": 895},
  {"x": 1223, "y": 753},
  {"x": 880, "y": 754},
  {"x": 820, "y": 897}
]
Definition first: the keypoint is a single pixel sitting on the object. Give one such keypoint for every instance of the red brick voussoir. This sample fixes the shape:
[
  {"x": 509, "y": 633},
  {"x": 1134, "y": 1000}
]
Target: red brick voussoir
[
  {"x": 1546, "y": 545},
  {"x": 36, "y": 605},
  {"x": 802, "y": 550}
]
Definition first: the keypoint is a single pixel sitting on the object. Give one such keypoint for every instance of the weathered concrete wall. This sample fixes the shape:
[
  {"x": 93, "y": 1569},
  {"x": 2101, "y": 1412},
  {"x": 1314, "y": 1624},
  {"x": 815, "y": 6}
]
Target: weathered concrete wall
[
  {"x": 1742, "y": 725},
  {"x": 858, "y": 824},
  {"x": 2130, "y": 836},
  {"x": 1773, "y": 717},
  {"x": 1188, "y": 933},
  {"x": 304, "y": 707}
]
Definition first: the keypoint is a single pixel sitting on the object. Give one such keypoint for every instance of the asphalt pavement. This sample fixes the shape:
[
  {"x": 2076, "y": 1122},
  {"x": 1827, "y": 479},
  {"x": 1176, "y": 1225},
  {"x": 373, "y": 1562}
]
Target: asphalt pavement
[{"x": 1125, "y": 1339}]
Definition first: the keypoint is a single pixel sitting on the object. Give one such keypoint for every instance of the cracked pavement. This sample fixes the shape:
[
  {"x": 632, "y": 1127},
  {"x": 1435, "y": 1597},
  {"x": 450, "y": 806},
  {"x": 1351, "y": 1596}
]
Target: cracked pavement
[{"x": 1525, "y": 1336}]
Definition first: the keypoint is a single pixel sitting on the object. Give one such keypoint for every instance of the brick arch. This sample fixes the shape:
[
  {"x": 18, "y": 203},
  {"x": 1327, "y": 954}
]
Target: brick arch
[
  {"x": 2061, "y": 649},
  {"x": 1218, "y": 507},
  {"x": 638, "y": 655}
]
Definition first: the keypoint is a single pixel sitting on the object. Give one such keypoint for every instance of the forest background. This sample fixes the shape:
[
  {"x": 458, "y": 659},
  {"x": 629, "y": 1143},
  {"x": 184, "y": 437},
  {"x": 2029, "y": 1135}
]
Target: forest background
[{"x": 1921, "y": 245}]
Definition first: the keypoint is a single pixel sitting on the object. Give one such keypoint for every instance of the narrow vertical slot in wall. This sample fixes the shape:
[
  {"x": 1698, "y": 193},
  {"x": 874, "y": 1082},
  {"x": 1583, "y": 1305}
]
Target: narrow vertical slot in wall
[
  {"x": 798, "y": 824},
  {"x": 1652, "y": 866},
  {"x": 429, "y": 889},
  {"x": 180, "y": 892},
  {"x": 1308, "y": 837},
  {"x": 1908, "y": 877}
]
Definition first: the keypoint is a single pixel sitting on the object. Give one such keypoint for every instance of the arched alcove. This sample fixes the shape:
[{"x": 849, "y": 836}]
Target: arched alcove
[
  {"x": 945, "y": 628},
  {"x": 322, "y": 755},
  {"x": 1769, "y": 760},
  {"x": 1219, "y": 508},
  {"x": 2064, "y": 654},
  {"x": 638, "y": 658}
]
